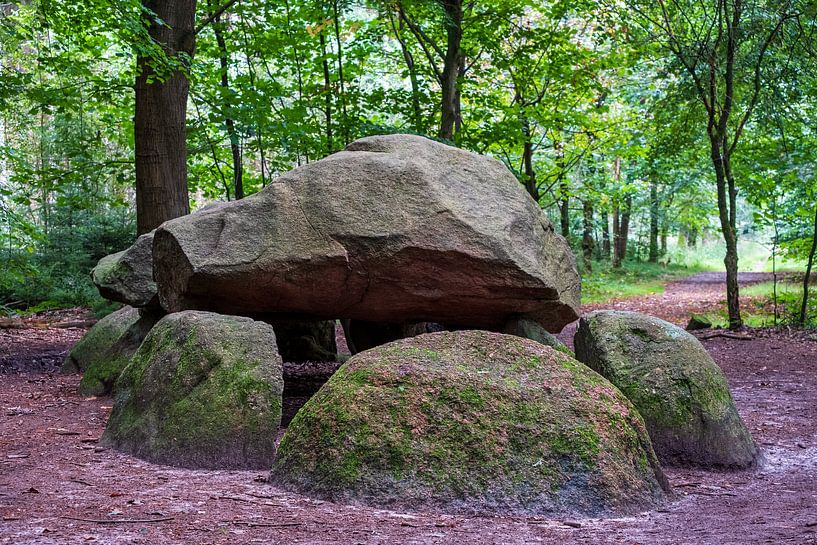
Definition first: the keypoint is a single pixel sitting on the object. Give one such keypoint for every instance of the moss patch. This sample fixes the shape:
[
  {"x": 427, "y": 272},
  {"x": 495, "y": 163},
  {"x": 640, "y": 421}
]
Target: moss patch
[
  {"x": 470, "y": 421},
  {"x": 203, "y": 390},
  {"x": 106, "y": 349},
  {"x": 676, "y": 386}
]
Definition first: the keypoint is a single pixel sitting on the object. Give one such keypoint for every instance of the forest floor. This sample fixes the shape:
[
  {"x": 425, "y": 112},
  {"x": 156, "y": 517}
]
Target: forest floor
[{"x": 57, "y": 486}]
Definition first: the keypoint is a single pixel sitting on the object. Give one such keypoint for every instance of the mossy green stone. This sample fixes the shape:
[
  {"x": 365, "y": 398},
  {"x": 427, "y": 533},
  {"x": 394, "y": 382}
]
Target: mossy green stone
[
  {"x": 106, "y": 349},
  {"x": 473, "y": 422},
  {"x": 204, "y": 390},
  {"x": 675, "y": 385}
]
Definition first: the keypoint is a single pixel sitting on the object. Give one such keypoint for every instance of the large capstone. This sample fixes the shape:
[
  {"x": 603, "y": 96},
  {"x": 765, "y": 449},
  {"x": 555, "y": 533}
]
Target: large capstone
[
  {"x": 393, "y": 229},
  {"x": 127, "y": 276},
  {"x": 102, "y": 353},
  {"x": 203, "y": 390},
  {"x": 673, "y": 382},
  {"x": 471, "y": 422}
]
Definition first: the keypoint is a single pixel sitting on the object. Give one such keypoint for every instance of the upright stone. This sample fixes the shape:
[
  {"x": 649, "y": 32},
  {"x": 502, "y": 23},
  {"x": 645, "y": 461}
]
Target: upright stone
[
  {"x": 203, "y": 390},
  {"x": 673, "y": 382},
  {"x": 102, "y": 353}
]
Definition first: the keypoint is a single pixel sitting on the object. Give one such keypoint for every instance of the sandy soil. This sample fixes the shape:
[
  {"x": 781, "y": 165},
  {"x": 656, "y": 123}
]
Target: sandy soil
[{"x": 53, "y": 474}]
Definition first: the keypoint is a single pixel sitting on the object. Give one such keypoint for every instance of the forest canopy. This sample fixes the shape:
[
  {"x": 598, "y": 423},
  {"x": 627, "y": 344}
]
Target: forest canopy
[{"x": 634, "y": 124}]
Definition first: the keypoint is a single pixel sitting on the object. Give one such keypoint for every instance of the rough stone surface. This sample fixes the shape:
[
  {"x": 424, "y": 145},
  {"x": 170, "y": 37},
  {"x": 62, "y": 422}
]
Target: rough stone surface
[
  {"x": 671, "y": 379},
  {"x": 203, "y": 390},
  {"x": 394, "y": 229},
  {"x": 127, "y": 276},
  {"x": 528, "y": 329},
  {"x": 106, "y": 348},
  {"x": 306, "y": 340},
  {"x": 471, "y": 422}
]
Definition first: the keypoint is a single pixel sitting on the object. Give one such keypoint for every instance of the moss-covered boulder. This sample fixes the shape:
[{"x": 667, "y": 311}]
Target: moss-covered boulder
[
  {"x": 203, "y": 390},
  {"x": 102, "y": 353},
  {"x": 673, "y": 382},
  {"x": 470, "y": 421}
]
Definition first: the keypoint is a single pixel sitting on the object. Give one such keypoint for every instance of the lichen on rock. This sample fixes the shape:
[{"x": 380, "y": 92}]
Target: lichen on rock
[
  {"x": 203, "y": 390},
  {"x": 673, "y": 382},
  {"x": 106, "y": 349},
  {"x": 471, "y": 422}
]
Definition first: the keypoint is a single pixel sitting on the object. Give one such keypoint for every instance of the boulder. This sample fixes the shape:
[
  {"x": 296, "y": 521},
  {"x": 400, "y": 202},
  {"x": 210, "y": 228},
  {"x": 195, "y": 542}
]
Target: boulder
[
  {"x": 306, "y": 340},
  {"x": 393, "y": 229},
  {"x": 471, "y": 422},
  {"x": 673, "y": 382},
  {"x": 127, "y": 276},
  {"x": 528, "y": 329},
  {"x": 102, "y": 353},
  {"x": 203, "y": 390}
]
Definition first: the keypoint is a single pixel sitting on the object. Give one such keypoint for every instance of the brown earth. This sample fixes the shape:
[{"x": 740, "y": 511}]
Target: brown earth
[{"x": 52, "y": 472}]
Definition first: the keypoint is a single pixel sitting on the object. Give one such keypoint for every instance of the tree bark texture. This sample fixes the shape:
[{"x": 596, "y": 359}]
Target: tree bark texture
[
  {"x": 160, "y": 120},
  {"x": 453, "y": 66}
]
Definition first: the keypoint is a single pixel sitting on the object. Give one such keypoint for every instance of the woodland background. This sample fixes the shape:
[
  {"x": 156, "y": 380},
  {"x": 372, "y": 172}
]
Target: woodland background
[{"x": 658, "y": 135}]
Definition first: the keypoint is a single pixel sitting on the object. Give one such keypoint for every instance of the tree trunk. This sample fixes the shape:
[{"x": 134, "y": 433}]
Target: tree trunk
[
  {"x": 664, "y": 236},
  {"x": 692, "y": 237},
  {"x": 160, "y": 120},
  {"x": 452, "y": 67},
  {"x": 587, "y": 235},
  {"x": 653, "y": 257},
  {"x": 235, "y": 148},
  {"x": 417, "y": 113},
  {"x": 617, "y": 220},
  {"x": 345, "y": 121},
  {"x": 727, "y": 215},
  {"x": 327, "y": 89},
  {"x": 624, "y": 235},
  {"x": 605, "y": 233},
  {"x": 527, "y": 159},
  {"x": 616, "y": 258},
  {"x": 807, "y": 277},
  {"x": 564, "y": 209}
]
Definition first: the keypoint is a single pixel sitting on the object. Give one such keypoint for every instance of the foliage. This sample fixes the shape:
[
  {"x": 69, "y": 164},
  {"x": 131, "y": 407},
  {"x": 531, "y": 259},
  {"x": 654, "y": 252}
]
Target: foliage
[{"x": 585, "y": 102}]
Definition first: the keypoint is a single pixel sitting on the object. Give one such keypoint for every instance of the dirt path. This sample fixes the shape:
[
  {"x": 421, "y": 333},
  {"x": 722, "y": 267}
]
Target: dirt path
[{"x": 52, "y": 472}]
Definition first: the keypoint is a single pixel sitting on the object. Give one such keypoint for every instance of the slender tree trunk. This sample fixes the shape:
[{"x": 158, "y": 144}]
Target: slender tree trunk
[
  {"x": 452, "y": 66},
  {"x": 417, "y": 113},
  {"x": 232, "y": 134},
  {"x": 616, "y": 262},
  {"x": 327, "y": 89},
  {"x": 807, "y": 277},
  {"x": 564, "y": 207},
  {"x": 563, "y": 185},
  {"x": 296, "y": 57},
  {"x": 587, "y": 234},
  {"x": 653, "y": 257},
  {"x": 616, "y": 257},
  {"x": 664, "y": 236},
  {"x": 624, "y": 236},
  {"x": 727, "y": 214},
  {"x": 692, "y": 237},
  {"x": 527, "y": 158},
  {"x": 160, "y": 120},
  {"x": 344, "y": 127},
  {"x": 605, "y": 233}
]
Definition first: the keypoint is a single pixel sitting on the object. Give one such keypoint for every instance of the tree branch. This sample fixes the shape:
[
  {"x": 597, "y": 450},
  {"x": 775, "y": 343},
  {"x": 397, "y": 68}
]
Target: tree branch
[{"x": 213, "y": 16}]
